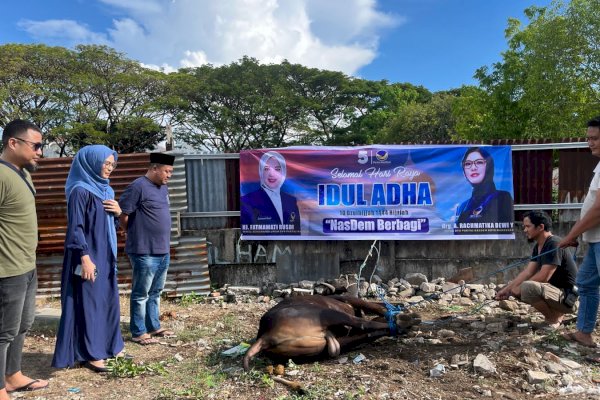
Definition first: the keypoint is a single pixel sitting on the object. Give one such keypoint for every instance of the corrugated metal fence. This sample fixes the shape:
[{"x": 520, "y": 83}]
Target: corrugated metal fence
[
  {"x": 189, "y": 265},
  {"x": 204, "y": 194}
]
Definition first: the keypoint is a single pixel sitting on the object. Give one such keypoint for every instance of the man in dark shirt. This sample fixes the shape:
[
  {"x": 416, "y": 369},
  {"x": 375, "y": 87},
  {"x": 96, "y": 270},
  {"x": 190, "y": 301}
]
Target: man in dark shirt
[
  {"x": 146, "y": 216},
  {"x": 544, "y": 281}
]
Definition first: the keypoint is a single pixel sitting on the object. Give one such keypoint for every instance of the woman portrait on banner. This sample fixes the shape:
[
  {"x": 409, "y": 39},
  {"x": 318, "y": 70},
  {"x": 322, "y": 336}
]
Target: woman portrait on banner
[
  {"x": 89, "y": 331},
  {"x": 486, "y": 204},
  {"x": 269, "y": 209}
]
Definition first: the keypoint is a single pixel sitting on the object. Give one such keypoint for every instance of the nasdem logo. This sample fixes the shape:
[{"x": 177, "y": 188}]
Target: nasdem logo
[{"x": 381, "y": 155}]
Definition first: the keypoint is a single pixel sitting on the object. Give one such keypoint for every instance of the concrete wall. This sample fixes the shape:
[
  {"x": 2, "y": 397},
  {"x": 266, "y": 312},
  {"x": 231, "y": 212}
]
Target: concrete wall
[{"x": 255, "y": 262}]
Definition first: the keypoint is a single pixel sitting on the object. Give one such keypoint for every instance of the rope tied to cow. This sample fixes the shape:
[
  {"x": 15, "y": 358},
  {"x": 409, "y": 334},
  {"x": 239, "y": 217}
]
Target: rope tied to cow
[{"x": 392, "y": 311}]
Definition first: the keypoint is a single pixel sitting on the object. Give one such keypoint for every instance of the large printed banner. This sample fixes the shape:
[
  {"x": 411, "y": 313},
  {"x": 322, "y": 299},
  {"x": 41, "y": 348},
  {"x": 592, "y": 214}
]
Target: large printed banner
[{"x": 377, "y": 192}]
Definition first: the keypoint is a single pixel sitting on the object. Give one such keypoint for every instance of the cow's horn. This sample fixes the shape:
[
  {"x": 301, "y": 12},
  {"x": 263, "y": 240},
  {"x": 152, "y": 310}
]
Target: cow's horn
[{"x": 329, "y": 286}]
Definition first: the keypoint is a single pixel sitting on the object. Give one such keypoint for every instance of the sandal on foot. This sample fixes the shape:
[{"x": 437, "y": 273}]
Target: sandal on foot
[
  {"x": 571, "y": 337},
  {"x": 165, "y": 333},
  {"x": 29, "y": 387},
  {"x": 144, "y": 340},
  {"x": 94, "y": 368}
]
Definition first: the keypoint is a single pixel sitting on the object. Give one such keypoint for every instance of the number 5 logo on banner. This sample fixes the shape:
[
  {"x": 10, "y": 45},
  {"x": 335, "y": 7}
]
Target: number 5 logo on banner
[{"x": 363, "y": 157}]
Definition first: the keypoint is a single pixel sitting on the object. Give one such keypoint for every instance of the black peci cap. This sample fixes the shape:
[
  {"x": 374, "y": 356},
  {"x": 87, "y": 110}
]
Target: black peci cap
[{"x": 161, "y": 158}]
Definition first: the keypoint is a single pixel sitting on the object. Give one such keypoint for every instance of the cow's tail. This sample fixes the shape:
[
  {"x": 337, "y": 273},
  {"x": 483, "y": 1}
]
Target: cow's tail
[{"x": 252, "y": 351}]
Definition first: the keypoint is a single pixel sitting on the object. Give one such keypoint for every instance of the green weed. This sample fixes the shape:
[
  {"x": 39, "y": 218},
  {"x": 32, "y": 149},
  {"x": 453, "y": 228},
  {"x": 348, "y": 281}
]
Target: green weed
[
  {"x": 316, "y": 368},
  {"x": 555, "y": 338},
  {"x": 202, "y": 384},
  {"x": 188, "y": 299},
  {"x": 267, "y": 381},
  {"x": 453, "y": 308},
  {"x": 191, "y": 335},
  {"x": 122, "y": 367}
]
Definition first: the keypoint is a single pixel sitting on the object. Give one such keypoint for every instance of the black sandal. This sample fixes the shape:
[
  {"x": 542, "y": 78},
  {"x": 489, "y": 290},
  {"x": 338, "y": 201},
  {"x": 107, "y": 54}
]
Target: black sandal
[{"x": 92, "y": 367}]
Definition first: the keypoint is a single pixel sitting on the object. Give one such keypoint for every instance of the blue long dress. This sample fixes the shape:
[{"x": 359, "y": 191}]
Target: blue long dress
[{"x": 89, "y": 324}]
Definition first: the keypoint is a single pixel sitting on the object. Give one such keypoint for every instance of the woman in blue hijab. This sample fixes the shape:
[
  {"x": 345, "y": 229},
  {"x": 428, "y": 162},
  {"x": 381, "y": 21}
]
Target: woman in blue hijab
[
  {"x": 269, "y": 210},
  {"x": 486, "y": 204},
  {"x": 89, "y": 331}
]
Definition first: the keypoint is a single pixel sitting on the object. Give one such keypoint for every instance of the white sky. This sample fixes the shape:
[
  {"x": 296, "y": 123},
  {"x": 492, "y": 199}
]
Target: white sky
[{"x": 340, "y": 35}]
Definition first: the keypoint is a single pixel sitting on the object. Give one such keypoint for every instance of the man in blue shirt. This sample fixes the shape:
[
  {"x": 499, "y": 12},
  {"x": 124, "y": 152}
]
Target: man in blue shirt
[{"x": 146, "y": 217}]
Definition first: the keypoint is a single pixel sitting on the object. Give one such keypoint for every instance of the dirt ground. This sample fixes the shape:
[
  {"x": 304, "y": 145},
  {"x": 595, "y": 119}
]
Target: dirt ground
[{"x": 191, "y": 366}]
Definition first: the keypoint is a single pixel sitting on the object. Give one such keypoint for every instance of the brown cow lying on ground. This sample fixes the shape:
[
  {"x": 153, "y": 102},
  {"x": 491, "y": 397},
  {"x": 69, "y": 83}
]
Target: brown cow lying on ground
[{"x": 309, "y": 327}]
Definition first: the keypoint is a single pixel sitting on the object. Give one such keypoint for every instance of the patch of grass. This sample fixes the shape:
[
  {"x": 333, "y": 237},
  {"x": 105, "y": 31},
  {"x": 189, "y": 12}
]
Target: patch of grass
[
  {"x": 259, "y": 377},
  {"x": 266, "y": 380},
  {"x": 229, "y": 321},
  {"x": 213, "y": 358},
  {"x": 195, "y": 382},
  {"x": 193, "y": 392},
  {"x": 122, "y": 367},
  {"x": 316, "y": 368},
  {"x": 555, "y": 338},
  {"x": 259, "y": 363},
  {"x": 210, "y": 380},
  {"x": 229, "y": 328},
  {"x": 191, "y": 335},
  {"x": 453, "y": 308},
  {"x": 313, "y": 392},
  {"x": 188, "y": 299}
]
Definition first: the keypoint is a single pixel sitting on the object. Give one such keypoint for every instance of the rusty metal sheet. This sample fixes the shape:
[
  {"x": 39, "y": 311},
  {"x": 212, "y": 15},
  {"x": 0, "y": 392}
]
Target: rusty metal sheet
[
  {"x": 189, "y": 265},
  {"x": 576, "y": 169}
]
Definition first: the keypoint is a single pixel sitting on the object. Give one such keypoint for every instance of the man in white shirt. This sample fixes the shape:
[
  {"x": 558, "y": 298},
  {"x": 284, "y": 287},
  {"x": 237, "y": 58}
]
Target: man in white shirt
[{"x": 588, "y": 276}]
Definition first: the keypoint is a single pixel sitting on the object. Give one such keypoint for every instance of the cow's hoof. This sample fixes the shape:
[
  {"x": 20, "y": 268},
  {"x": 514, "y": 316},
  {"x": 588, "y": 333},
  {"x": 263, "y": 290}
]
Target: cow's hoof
[
  {"x": 279, "y": 370},
  {"x": 406, "y": 321},
  {"x": 333, "y": 346}
]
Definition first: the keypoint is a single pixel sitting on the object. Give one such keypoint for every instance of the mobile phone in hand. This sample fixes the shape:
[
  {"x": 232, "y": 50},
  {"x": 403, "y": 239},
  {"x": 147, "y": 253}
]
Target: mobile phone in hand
[{"x": 79, "y": 269}]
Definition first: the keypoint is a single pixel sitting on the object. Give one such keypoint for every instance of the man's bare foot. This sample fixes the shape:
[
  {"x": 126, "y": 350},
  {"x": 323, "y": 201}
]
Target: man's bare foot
[
  {"x": 4, "y": 395},
  {"x": 553, "y": 325},
  {"x": 584, "y": 339},
  {"x": 19, "y": 382}
]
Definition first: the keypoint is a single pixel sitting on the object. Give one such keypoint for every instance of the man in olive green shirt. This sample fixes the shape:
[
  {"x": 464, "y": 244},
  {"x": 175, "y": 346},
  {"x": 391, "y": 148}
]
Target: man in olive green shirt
[{"x": 22, "y": 147}]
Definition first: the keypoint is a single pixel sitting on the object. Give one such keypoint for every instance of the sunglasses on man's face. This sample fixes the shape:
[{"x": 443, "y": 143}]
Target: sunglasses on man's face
[{"x": 34, "y": 145}]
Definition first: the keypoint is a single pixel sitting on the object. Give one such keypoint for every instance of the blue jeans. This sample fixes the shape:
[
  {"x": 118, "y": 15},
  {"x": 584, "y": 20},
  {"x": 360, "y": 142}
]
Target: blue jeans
[
  {"x": 149, "y": 274},
  {"x": 588, "y": 282},
  {"x": 17, "y": 312}
]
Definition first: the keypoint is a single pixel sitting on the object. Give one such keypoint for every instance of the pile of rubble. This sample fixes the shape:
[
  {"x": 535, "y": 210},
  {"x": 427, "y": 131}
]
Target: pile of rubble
[
  {"x": 509, "y": 332},
  {"x": 413, "y": 288}
]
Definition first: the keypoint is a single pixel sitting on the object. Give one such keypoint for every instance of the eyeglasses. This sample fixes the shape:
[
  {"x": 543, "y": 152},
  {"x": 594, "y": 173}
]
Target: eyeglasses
[
  {"x": 113, "y": 165},
  {"x": 478, "y": 163},
  {"x": 34, "y": 145}
]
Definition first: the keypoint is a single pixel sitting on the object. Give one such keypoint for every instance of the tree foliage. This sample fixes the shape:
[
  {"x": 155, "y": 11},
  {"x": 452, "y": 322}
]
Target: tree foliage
[
  {"x": 248, "y": 105},
  {"x": 34, "y": 81},
  {"x": 233, "y": 107},
  {"x": 546, "y": 85},
  {"x": 88, "y": 95}
]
